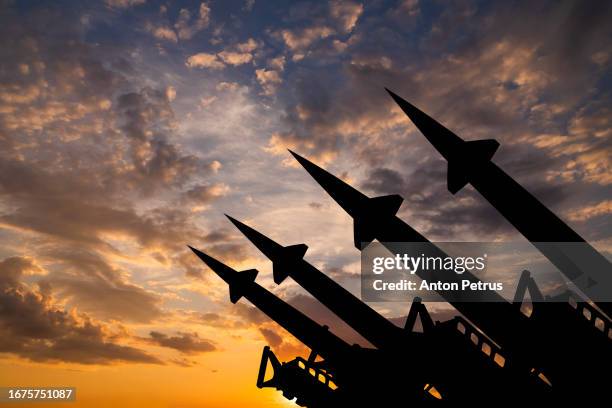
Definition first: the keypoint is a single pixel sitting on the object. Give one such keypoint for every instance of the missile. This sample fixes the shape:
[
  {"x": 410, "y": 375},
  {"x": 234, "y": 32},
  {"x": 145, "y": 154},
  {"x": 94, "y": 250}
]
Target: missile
[
  {"x": 499, "y": 319},
  {"x": 470, "y": 162},
  {"x": 434, "y": 362},
  {"x": 289, "y": 261},
  {"x": 349, "y": 364},
  {"x": 313, "y": 335},
  {"x": 368, "y": 213},
  {"x": 522, "y": 338}
]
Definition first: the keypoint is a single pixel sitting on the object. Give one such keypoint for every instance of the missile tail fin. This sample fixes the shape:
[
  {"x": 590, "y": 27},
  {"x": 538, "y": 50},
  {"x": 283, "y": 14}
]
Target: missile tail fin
[
  {"x": 456, "y": 177},
  {"x": 241, "y": 281},
  {"x": 468, "y": 157},
  {"x": 387, "y": 205},
  {"x": 290, "y": 256},
  {"x": 376, "y": 208}
]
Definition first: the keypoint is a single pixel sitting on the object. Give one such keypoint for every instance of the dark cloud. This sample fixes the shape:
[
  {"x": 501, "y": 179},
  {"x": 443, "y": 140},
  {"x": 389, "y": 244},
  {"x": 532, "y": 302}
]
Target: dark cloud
[
  {"x": 187, "y": 343},
  {"x": 34, "y": 328},
  {"x": 249, "y": 313},
  {"x": 84, "y": 142},
  {"x": 273, "y": 338},
  {"x": 87, "y": 280},
  {"x": 205, "y": 193},
  {"x": 484, "y": 71}
]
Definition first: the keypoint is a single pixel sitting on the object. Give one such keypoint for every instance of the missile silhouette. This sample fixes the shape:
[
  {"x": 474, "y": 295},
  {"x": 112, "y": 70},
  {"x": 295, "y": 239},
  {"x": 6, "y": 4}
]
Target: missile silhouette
[
  {"x": 313, "y": 335},
  {"x": 499, "y": 319},
  {"x": 436, "y": 358},
  {"x": 470, "y": 162},
  {"x": 368, "y": 213},
  {"x": 351, "y": 365},
  {"x": 289, "y": 261},
  {"x": 374, "y": 218}
]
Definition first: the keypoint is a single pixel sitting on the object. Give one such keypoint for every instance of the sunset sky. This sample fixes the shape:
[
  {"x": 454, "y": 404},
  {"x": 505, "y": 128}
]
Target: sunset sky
[{"x": 129, "y": 127}]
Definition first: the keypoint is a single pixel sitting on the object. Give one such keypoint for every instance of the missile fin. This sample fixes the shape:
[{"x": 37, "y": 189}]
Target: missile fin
[
  {"x": 466, "y": 160},
  {"x": 456, "y": 177},
  {"x": 242, "y": 279},
  {"x": 362, "y": 232},
  {"x": 289, "y": 258},
  {"x": 387, "y": 205},
  {"x": 482, "y": 149}
]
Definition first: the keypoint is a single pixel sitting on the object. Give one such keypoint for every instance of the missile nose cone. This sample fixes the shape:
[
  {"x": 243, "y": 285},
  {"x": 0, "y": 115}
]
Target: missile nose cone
[
  {"x": 445, "y": 141},
  {"x": 303, "y": 162},
  {"x": 242, "y": 227},
  {"x": 267, "y": 246},
  {"x": 345, "y": 195},
  {"x": 412, "y": 111},
  {"x": 199, "y": 253},
  {"x": 395, "y": 97},
  {"x": 321, "y": 176},
  {"x": 224, "y": 271}
]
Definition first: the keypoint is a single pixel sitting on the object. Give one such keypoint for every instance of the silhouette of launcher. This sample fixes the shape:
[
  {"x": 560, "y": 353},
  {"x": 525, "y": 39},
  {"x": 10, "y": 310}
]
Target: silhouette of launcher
[
  {"x": 339, "y": 379},
  {"x": 496, "y": 351},
  {"x": 441, "y": 346},
  {"x": 537, "y": 344}
]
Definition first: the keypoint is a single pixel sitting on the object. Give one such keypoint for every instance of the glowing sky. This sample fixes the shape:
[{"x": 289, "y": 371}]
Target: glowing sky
[{"x": 128, "y": 127}]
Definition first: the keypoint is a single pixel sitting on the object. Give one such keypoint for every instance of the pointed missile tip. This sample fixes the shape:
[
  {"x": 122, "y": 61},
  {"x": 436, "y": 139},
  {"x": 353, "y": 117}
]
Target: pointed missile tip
[
  {"x": 205, "y": 258},
  {"x": 390, "y": 92},
  {"x": 243, "y": 228},
  {"x": 296, "y": 156},
  {"x": 195, "y": 251},
  {"x": 265, "y": 244},
  {"x": 304, "y": 162},
  {"x": 240, "y": 225},
  {"x": 399, "y": 100},
  {"x": 232, "y": 219},
  {"x": 222, "y": 270}
]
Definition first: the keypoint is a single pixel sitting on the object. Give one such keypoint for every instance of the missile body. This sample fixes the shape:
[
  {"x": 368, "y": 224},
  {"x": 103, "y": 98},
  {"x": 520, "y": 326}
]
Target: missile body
[
  {"x": 355, "y": 370},
  {"x": 528, "y": 344},
  {"x": 470, "y": 162},
  {"x": 289, "y": 261},
  {"x": 437, "y": 350},
  {"x": 313, "y": 335}
]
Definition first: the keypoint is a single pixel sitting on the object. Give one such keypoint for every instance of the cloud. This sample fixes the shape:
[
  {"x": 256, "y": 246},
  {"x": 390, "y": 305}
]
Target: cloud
[
  {"x": 206, "y": 193},
  {"x": 277, "y": 63},
  {"x": 409, "y": 7},
  {"x": 186, "y": 343},
  {"x": 187, "y": 27},
  {"x": 347, "y": 13},
  {"x": 248, "y": 5},
  {"x": 85, "y": 279},
  {"x": 171, "y": 93},
  {"x": 227, "y": 86},
  {"x": 272, "y": 338},
  {"x": 235, "y": 58},
  {"x": 207, "y": 101},
  {"x": 503, "y": 79},
  {"x": 603, "y": 208},
  {"x": 239, "y": 54},
  {"x": 249, "y": 45},
  {"x": 204, "y": 60},
  {"x": 124, "y": 3},
  {"x": 300, "y": 40},
  {"x": 35, "y": 329},
  {"x": 269, "y": 80},
  {"x": 92, "y": 181},
  {"x": 164, "y": 33}
]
